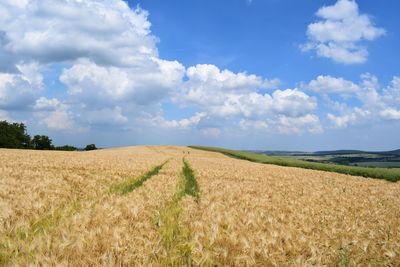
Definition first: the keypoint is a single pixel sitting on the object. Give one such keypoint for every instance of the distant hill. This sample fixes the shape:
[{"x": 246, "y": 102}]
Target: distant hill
[
  {"x": 393, "y": 152},
  {"x": 339, "y": 152},
  {"x": 324, "y": 153},
  {"x": 379, "y": 159}
]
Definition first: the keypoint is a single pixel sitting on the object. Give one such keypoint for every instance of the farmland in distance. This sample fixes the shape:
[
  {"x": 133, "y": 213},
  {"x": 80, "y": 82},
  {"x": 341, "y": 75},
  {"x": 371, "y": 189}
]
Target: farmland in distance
[{"x": 177, "y": 206}]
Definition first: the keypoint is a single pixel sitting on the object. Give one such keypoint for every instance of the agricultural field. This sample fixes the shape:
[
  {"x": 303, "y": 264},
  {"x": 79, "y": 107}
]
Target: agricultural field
[
  {"x": 389, "y": 174},
  {"x": 377, "y": 164},
  {"x": 383, "y": 159},
  {"x": 177, "y": 206}
]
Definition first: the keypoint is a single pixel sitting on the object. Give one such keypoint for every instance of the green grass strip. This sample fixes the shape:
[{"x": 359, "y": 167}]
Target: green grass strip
[
  {"x": 177, "y": 239},
  {"x": 191, "y": 187},
  {"x": 392, "y": 175},
  {"x": 132, "y": 184}
]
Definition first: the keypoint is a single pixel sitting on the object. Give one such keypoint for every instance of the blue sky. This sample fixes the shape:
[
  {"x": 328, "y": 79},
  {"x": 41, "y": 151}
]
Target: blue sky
[{"x": 262, "y": 74}]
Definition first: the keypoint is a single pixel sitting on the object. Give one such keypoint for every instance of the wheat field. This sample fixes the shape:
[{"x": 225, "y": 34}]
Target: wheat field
[{"x": 197, "y": 208}]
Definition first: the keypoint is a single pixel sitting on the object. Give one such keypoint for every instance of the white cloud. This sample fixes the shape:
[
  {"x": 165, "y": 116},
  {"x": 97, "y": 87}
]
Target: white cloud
[
  {"x": 112, "y": 53},
  {"x": 114, "y": 75},
  {"x": 212, "y": 76},
  {"x": 295, "y": 124},
  {"x": 369, "y": 94},
  {"x": 207, "y": 85},
  {"x": 330, "y": 85},
  {"x": 257, "y": 124},
  {"x": 338, "y": 34},
  {"x": 352, "y": 116},
  {"x": 229, "y": 97},
  {"x": 376, "y": 103},
  {"x": 97, "y": 85},
  {"x": 45, "y": 104},
  {"x": 58, "y": 120},
  {"x": 224, "y": 93},
  {"x": 390, "y": 114},
  {"x": 105, "y": 116},
  {"x": 292, "y": 102},
  {"x": 107, "y": 32},
  {"x": 341, "y": 121},
  {"x": 184, "y": 124},
  {"x": 341, "y": 10},
  {"x": 391, "y": 94},
  {"x": 17, "y": 91},
  {"x": 55, "y": 115}
]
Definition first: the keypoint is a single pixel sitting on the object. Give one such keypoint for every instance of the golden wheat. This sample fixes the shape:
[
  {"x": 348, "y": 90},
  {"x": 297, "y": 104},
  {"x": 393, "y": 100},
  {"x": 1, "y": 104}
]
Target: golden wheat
[
  {"x": 34, "y": 183},
  {"x": 57, "y": 209},
  {"x": 254, "y": 214}
]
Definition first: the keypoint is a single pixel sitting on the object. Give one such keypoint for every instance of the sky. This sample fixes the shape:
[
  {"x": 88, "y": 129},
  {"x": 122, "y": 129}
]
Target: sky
[{"x": 244, "y": 74}]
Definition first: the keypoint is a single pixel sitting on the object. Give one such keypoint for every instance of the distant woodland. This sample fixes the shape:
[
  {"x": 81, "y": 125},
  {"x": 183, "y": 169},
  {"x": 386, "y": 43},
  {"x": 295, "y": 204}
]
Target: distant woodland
[{"x": 14, "y": 135}]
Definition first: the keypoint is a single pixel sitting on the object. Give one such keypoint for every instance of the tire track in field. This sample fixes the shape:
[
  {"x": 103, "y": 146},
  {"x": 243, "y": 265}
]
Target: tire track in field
[
  {"x": 176, "y": 238},
  {"x": 23, "y": 237},
  {"x": 131, "y": 184}
]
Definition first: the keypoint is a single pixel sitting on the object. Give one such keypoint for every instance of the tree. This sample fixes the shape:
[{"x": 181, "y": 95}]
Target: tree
[
  {"x": 14, "y": 135},
  {"x": 66, "y": 148},
  {"x": 90, "y": 147},
  {"x": 42, "y": 142}
]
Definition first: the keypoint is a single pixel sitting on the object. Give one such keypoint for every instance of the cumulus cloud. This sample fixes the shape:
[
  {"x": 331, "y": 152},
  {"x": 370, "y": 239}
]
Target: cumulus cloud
[
  {"x": 184, "y": 124},
  {"x": 369, "y": 94},
  {"x": 285, "y": 124},
  {"x": 376, "y": 103},
  {"x": 330, "y": 85},
  {"x": 256, "y": 124},
  {"x": 105, "y": 116},
  {"x": 94, "y": 85},
  {"x": 224, "y": 93},
  {"x": 342, "y": 121},
  {"x": 58, "y": 120},
  {"x": 292, "y": 102},
  {"x": 339, "y": 34},
  {"x": 212, "y": 76},
  {"x": 106, "y": 32},
  {"x": 391, "y": 94},
  {"x": 114, "y": 75},
  {"x": 55, "y": 115},
  {"x": 236, "y": 98},
  {"x": 45, "y": 104},
  {"x": 352, "y": 116},
  {"x": 207, "y": 84},
  {"x": 18, "y": 91},
  {"x": 111, "y": 52},
  {"x": 253, "y": 105},
  {"x": 289, "y": 125},
  {"x": 390, "y": 114}
]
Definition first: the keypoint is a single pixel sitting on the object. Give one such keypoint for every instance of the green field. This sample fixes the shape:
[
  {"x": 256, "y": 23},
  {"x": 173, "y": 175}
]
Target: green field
[
  {"x": 392, "y": 175},
  {"x": 379, "y": 164}
]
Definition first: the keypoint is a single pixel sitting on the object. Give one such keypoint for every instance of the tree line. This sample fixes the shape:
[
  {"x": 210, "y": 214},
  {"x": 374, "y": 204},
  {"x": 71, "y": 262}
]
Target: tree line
[{"x": 14, "y": 135}]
